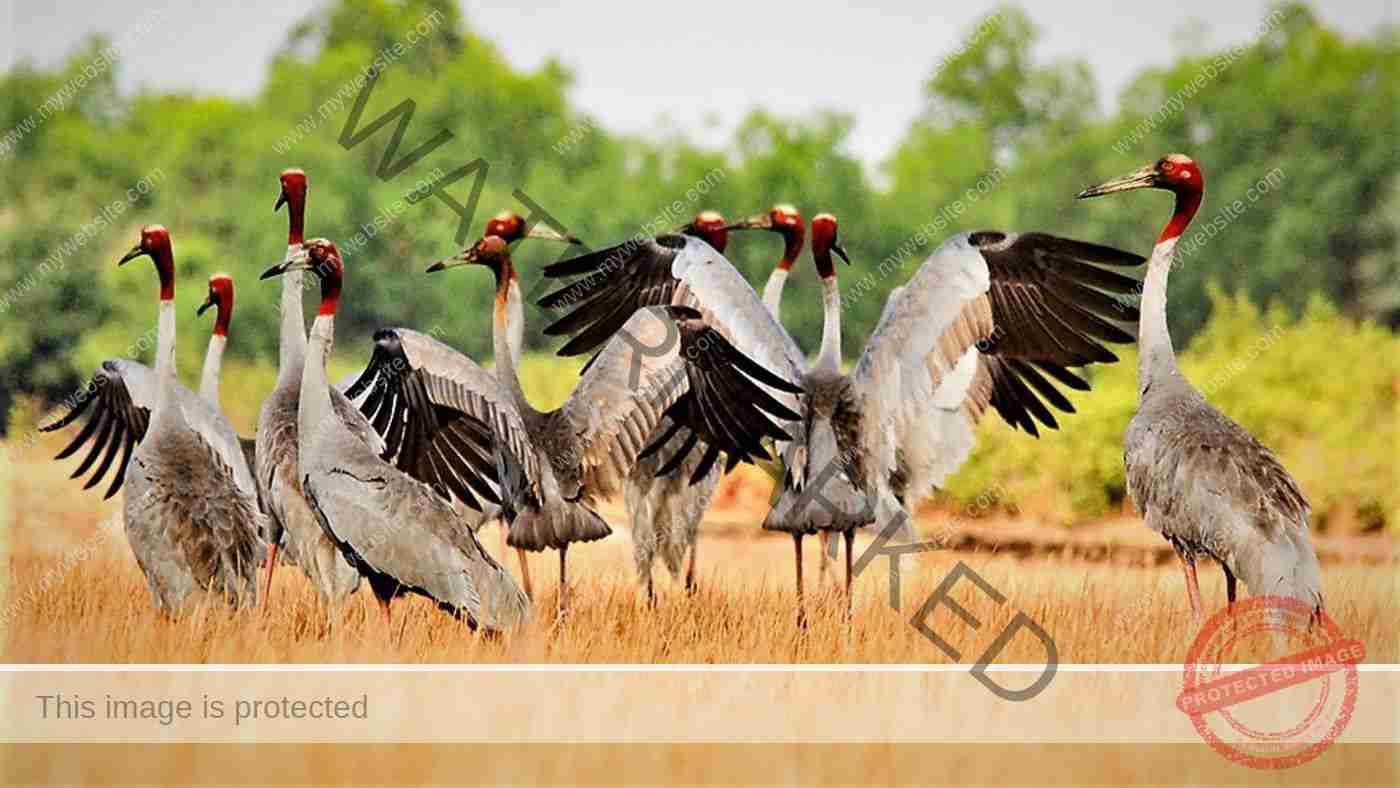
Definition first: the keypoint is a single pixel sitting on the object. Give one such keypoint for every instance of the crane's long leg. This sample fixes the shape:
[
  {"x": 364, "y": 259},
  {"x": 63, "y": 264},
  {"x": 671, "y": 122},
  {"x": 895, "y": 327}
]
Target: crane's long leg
[
  {"x": 797, "y": 559},
  {"x": 1193, "y": 588},
  {"x": 823, "y": 563},
  {"x": 690, "y": 568},
  {"x": 850, "y": 545},
  {"x": 271, "y": 564},
  {"x": 524, "y": 565},
  {"x": 525, "y": 574},
  {"x": 563, "y": 581}
]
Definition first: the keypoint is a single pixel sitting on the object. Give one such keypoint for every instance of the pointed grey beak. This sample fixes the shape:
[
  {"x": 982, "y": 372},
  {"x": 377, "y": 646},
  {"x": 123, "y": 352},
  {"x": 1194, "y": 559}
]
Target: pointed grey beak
[
  {"x": 208, "y": 302},
  {"x": 1145, "y": 178},
  {"x": 467, "y": 257},
  {"x": 836, "y": 247},
  {"x": 136, "y": 251},
  {"x": 549, "y": 234},
  {"x": 301, "y": 260},
  {"x": 281, "y": 200}
]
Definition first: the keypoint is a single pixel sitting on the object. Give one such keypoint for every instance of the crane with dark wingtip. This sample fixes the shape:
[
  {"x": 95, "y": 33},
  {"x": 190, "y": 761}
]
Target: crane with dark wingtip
[
  {"x": 191, "y": 507},
  {"x": 983, "y": 323}
]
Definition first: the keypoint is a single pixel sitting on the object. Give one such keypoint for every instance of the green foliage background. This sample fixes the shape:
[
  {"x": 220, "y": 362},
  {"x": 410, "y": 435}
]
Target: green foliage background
[{"x": 1007, "y": 137}]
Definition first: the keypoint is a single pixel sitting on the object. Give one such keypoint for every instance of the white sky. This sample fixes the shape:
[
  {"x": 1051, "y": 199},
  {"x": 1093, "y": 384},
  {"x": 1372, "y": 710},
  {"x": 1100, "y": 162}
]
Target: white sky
[{"x": 647, "y": 67}]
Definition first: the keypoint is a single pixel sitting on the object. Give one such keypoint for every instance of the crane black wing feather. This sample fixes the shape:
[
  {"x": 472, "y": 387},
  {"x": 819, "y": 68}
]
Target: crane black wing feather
[
  {"x": 117, "y": 422},
  {"x": 439, "y": 440},
  {"x": 1051, "y": 310}
]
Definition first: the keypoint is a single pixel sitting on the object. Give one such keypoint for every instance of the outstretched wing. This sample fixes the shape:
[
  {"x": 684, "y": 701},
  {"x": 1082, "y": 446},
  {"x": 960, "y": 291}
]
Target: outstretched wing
[
  {"x": 667, "y": 362},
  {"x": 439, "y": 413},
  {"x": 120, "y": 396},
  {"x": 674, "y": 270},
  {"x": 989, "y": 319}
]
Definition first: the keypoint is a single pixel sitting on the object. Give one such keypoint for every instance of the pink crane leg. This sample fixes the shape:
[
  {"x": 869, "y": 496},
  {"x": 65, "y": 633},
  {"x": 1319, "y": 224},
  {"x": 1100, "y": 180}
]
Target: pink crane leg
[
  {"x": 271, "y": 565},
  {"x": 1193, "y": 588}
]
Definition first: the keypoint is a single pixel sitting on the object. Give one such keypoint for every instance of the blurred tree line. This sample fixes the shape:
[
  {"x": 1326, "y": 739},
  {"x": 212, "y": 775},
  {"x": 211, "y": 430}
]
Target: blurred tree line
[{"x": 1005, "y": 139}]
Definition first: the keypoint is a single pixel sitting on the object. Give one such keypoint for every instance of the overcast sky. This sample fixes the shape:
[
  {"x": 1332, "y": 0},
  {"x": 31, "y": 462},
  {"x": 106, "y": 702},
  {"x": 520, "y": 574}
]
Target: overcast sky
[{"x": 697, "y": 66}]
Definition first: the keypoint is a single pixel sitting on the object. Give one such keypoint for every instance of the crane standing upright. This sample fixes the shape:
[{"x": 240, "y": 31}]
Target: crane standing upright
[{"x": 1203, "y": 482}]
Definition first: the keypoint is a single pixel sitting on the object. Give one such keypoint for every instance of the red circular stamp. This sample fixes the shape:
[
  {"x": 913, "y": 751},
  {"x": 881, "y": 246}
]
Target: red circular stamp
[{"x": 1280, "y": 713}]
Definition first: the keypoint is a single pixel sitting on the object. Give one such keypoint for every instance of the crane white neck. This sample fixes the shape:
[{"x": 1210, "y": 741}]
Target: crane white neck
[
  {"x": 830, "y": 355},
  {"x": 773, "y": 291},
  {"x": 291, "y": 346},
  {"x": 166, "y": 380},
  {"x": 1157, "y": 358},
  {"x": 213, "y": 362},
  {"x": 507, "y": 335},
  {"x": 314, "y": 407}
]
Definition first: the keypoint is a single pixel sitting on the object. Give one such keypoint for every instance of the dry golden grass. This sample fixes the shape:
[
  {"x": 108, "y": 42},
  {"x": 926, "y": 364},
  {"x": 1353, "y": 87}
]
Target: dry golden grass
[
  {"x": 74, "y": 594},
  {"x": 98, "y": 611}
]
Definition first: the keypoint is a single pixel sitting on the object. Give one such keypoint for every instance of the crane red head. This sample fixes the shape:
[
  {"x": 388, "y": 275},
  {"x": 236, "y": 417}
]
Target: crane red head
[
  {"x": 824, "y": 242},
  {"x": 221, "y": 296},
  {"x": 493, "y": 252},
  {"x": 155, "y": 242},
  {"x": 294, "y": 195},
  {"x": 709, "y": 226},
  {"x": 508, "y": 225},
  {"x": 784, "y": 220},
  {"x": 1176, "y": 173},
  {"x": 322, "y": 258}
]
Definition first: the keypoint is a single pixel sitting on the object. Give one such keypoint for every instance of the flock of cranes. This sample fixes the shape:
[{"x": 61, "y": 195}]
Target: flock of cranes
[{"x": 389, "y": 475}]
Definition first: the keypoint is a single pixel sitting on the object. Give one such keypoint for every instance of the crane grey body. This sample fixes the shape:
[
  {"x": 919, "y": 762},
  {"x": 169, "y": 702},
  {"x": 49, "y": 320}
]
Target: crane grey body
[
  {"x": 191, "y": 506},
  {"x": 191, "y": 530},
  {"x": 396, "y": 531},
  {"x": 279, "y": 479},
  {"x": 552, "y": 467},
  {"x": 665, "y": 511},
  {"x": 679, "y": 270},
  {"x": 893, "y": 429},
  {"x": 1211, "y": 489},
  {"x": 1199, "y": 479}
]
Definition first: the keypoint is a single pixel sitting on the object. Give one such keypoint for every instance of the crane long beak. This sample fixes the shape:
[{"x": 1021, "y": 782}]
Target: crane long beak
[
  {"x": 835, "y": 247},
  {"x": 299, "y": 261},
  {"x": 281, "y": 200},
  {"x": 208, "y": 302},
  {"x": 136, "y": 251},
  {"x": 549, "y": 234},
  {"x": 1144, "y": 178},
  {"x": 760, "y": 222},
  {"x": 467, "y": 257}
]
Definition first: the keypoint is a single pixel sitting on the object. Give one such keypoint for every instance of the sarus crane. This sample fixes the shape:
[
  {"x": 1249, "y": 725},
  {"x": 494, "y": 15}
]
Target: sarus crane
[
  {"x": 395, "y": 530},
  {"x": 398, "y": 351},
  {"x": 665, "y": 503},
  {"x": 279, "y": 481},
  {"x": 984, "y": 321},
  {"x": 191, "y": 507},
  {"x": 552, "y": 466},
  {"x": 1199, "y": 479}
]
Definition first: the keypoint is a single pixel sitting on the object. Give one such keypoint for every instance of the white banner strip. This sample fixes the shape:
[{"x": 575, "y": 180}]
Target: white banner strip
[{"x": 673, "y": 704}]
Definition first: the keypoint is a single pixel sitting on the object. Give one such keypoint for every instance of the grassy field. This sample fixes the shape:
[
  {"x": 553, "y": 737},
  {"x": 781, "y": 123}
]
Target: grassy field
[
  {"x": 76, "y": 595},
  {"x": 1031, "y": 517}
]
